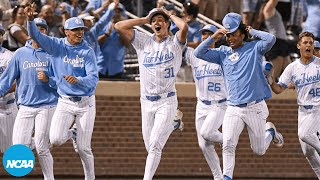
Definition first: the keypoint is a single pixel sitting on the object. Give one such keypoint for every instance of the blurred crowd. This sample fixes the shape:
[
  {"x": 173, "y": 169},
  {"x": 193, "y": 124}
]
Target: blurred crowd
[{"x": 283, "y": 18}]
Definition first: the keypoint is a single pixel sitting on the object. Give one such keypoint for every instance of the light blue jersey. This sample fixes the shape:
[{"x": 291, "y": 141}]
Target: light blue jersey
[
  {"x": 23, "y": 68},
  {"x": 75, "y": 60},
  {"x": 243, "y": 74}
]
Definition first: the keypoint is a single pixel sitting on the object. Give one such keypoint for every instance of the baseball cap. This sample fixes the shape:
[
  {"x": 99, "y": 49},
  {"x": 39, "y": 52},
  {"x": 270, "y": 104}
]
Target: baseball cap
[
  {"x": 41, "y": 22},
  {"x": 316, "y": 44},
  {"x": 231, "y": 21},
  {"x": 2, "y": 31},
  {"x": 73, "y": 23},
  {"x": 86, "y": 16},
  {"x": 156, "y": 11},
  {"x": 209, "y": 27}
]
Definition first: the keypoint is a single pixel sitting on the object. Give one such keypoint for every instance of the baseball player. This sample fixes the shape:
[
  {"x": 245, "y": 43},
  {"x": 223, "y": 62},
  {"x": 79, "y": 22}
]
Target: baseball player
[
  {"x": 211, "y": 105},
  {"x": 75, "y": 70},
  {"x": 30, "y": 67},
  {"x": 304, "y": 73},
  {"x": 159, "y": 57},
  {"x": 246, "y": 85},
  {"x": 8, "y": 107}
]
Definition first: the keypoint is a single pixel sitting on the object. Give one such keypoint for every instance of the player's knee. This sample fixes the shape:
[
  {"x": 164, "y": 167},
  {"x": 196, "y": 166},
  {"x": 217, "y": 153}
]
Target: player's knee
[
  {"x": 55, "y": 140},
  {"x": 155, "y": 147},
  {"x": 205, "y": 134},
  {"x": 304, "y": 136},
  {"x": 229, "y": 147},
  {"x": 84, "y": 150},
  {"x": 259, "y": 151},
  {"x": 42, "y": 151}
]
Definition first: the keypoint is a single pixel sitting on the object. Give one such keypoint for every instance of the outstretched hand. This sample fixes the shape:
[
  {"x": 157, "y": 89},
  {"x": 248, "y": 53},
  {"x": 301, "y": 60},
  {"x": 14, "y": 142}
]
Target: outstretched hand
[{"x": 30, "y": 11}]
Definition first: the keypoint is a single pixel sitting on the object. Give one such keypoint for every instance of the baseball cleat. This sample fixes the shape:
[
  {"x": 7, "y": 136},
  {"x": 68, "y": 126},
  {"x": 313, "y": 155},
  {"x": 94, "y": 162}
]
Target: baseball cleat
[
  {"x": 74, "y": 139},
  {"x": 178, "y": 121},
  {"x": 277, "y": 138}
]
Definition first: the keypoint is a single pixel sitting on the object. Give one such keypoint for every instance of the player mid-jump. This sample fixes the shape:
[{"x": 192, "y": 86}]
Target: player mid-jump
[
  {"x": 160, "y": 58},
  {"x": 247, "y": 87}
]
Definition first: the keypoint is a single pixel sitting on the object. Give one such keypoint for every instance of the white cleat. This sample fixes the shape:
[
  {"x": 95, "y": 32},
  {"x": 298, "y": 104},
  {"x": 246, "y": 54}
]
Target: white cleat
[
  {"x": 278, "y": 138},
  {"x": 178, "y": 119},
  {"x": 74, "y": 139}
]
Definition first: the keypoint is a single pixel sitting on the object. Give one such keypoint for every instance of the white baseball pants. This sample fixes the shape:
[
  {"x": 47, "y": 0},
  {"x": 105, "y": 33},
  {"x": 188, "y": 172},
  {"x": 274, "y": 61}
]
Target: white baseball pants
[
  {"x": 83, "y": 113},
  {"x": 236, "y": 118},
  {"x": 157, "y": 125},
  {"x": 8, "y": 113},
  {"x": 308, "y": 125},
  {"x": 39, "y": 120},
  {"x": 209, "y": 119}
]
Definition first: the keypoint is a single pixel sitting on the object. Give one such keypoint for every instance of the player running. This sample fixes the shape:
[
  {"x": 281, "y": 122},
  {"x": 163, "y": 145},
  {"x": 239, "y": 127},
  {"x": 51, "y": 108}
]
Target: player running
[
  {"x": 159, "y": 57},
  {"x": 246, "y": 85},
  {"x": 75, "y": 70},
  {"x": 36, "y": 99},
  {"x": 211, "y": 105},
  {"x": 304, "y": 73}
]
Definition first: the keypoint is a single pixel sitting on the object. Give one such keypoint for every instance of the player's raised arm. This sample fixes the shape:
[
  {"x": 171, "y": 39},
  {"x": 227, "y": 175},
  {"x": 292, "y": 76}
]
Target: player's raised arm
[
  {"x": 267, "y": 40},
  {"x": 125, "y": 28},
  {"x": 204, "y": 50},
  {"x": 181, "y": 24},
  {"x": 49, "y": 44}
]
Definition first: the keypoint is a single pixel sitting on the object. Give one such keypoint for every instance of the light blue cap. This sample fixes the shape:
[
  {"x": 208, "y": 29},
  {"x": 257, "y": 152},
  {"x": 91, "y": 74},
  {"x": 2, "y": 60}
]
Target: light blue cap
[
  {"x": 231, "y": 21},
  {"x": 316, "y": 44},
  {"x": 41, "y": 22},
  {"x": 2, "y": 31},
  {"x": 209, "y": 27},
  {"x": 73, "y": 23}
]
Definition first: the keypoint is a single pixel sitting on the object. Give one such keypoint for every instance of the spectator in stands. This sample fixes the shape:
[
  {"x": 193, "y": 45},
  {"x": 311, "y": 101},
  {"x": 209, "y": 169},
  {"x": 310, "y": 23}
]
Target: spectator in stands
[
  {"x": 297, "y": 16},
  {"x": 17, "y": 34},
  {"x": 279, "y": 53},
  {"x": 93, "y": 30},
  {"x": 189, "y": 14},
  {"x": 6, "y": 12},
  {"x": 250, "y": 10},
  {"x": 54, "y": 22},
  {"x": 216, "y": 9},
  {"x": 312, "y": 23},
  {"x": 113, "y": 47}
]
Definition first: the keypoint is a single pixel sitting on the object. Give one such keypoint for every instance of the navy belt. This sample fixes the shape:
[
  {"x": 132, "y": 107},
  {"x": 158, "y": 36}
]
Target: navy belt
[
  {"x": 10, "y": 101},
  {"x": 75, "y": 99},
  {"x": 213, "y": 102},
  {"x": 157, "y": 97},
  {"x": 247, "y": 104},
  {"x": 308, "y": 107}
]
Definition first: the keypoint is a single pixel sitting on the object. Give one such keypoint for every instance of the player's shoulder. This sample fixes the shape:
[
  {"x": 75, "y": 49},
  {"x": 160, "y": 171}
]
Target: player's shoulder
[{"x": 6, "y": 52}]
